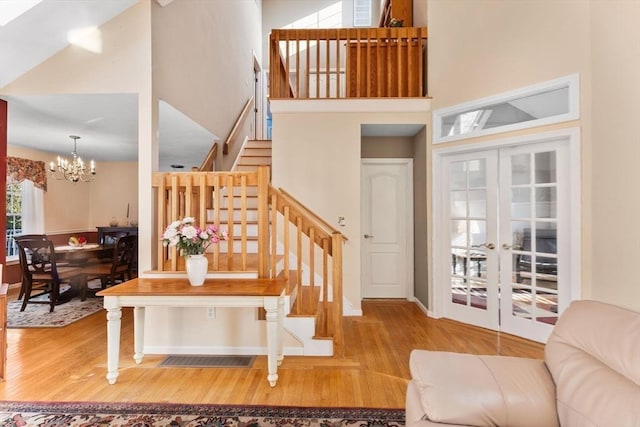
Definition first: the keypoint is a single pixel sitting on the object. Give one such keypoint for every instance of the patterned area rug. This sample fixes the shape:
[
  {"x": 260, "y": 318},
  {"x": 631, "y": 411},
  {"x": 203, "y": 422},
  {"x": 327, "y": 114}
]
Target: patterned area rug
[
  {"x": 76, "y": 414},
  {"x": 38, "y": 316}
]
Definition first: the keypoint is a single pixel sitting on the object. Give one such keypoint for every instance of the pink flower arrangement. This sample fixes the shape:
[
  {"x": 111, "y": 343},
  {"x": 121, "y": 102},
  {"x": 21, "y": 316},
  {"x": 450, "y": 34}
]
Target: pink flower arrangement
[{"x": 189, "y": 238}]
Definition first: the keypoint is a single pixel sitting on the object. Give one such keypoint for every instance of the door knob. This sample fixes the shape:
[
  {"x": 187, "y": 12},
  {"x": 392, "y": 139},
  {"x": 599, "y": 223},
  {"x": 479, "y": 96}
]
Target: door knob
[
  {"x": 368, "y": 236},
  {"x": 506, "y": 246}
]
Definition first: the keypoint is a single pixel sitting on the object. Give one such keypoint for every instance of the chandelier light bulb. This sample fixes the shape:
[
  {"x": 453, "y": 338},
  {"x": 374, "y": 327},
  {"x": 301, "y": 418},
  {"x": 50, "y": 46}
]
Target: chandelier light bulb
[{"x": 73, "y": 170}]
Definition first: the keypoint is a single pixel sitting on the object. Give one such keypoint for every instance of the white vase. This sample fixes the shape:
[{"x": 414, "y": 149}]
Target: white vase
[{"x": 197, "y": 269}]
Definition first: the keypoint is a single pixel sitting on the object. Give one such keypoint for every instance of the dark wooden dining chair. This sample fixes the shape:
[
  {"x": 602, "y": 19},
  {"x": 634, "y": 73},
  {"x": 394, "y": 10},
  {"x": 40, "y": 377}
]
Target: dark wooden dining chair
[
  {"x": 121, "y": 265},
  {"x": 108, "y": 239},
  {"x": 26, "y": 237},
  {"x": 41, "y": 274}
]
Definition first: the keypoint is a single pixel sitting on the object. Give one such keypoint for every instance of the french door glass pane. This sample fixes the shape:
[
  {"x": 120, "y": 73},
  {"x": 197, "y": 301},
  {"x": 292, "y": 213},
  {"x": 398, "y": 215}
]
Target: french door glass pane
[
  {"x": 521, "y": 202},
  {"x": 458, "y": 175},
  {"x": 478, "y": 232},
  {"x": 545, "y": 167},
  {"x": 521, "y": 301},
  {"x": 546, "y": 307},
  {"x": 459, "y": 233},
  {"x": 458, "y": 201},
  {"x": 521, "y": 169},
  {"x": 546, "y": 202},
  {"x": 477, "y": 203},
  {"x": 477, "y": 173}
]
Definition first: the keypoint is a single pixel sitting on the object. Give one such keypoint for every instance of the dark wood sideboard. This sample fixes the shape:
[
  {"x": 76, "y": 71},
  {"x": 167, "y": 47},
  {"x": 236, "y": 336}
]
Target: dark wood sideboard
[{"x": 106, "y": 231}]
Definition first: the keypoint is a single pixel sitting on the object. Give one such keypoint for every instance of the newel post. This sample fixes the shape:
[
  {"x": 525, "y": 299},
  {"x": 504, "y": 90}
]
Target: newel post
[
  {"x": 263, "y": 221},
  {"x": 336, "y": 261}
]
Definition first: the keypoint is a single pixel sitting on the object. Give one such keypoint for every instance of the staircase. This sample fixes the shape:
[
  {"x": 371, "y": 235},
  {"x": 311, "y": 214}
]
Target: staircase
[
  {"x": 254, "y": 153},
  {"x": 270, "y": 235}
]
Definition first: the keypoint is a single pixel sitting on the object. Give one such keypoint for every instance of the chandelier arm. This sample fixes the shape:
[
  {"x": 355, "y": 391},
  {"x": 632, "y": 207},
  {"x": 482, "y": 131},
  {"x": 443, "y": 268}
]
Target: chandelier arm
[{"x": 74, "y": 170}]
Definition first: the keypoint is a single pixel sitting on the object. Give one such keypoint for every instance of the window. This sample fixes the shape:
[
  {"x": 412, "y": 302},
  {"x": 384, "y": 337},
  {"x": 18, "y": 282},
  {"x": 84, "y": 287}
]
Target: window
[
  {"x": 14, "y": 218},
  {"x": 361, "y": 13},
  {"x": 26, "y": 184},
  {"x": 549, "y": 102}
]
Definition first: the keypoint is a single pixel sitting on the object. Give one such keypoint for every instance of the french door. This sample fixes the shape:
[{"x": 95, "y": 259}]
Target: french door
[{"x": 507, "y": 244}]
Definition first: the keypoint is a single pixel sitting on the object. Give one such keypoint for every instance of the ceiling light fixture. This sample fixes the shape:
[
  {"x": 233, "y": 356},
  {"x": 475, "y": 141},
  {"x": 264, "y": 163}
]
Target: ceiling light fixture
[{"x": 75, "y": 169}]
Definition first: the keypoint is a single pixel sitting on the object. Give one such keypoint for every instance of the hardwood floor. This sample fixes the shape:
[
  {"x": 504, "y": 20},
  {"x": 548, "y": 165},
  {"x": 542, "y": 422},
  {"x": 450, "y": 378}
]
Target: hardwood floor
[{"x": 69, "y": 364}]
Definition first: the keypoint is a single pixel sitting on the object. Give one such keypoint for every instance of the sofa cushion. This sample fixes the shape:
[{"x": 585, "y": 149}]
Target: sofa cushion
[
  {"x": 593, "y": 355},
  {"x": 483, "y": 391}
]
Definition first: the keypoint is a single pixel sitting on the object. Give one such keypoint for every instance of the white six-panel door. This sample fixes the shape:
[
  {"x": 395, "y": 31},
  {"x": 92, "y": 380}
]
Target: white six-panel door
[
  {"x": 506, "y": 237},
  {"x": 387, "y": 228}
]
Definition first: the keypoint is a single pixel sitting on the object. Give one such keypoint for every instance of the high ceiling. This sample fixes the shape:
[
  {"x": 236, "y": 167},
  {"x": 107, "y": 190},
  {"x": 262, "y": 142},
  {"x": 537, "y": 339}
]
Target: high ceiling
[{"x": 106, "y": 123}]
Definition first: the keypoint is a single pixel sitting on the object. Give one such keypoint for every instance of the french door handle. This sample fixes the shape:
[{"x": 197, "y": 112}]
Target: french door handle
[
  {"x": 489, "y": 246},
  {"x": 368, "y": 236},
  {"x": 506, "y": 246}
]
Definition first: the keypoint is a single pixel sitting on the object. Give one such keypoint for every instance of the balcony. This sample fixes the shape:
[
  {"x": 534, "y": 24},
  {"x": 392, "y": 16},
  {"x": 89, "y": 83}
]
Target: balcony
[{"x": 348, "y": 63}]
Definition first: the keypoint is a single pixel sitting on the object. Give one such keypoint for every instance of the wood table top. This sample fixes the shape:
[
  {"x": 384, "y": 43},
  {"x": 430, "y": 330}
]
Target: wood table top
[
  {"x": 88, "y": 247},
  {"x": 211, "y": 287}
]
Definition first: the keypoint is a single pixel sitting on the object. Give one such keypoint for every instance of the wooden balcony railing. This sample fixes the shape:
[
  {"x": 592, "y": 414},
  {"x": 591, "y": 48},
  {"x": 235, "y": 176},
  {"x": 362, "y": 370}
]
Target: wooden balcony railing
[
  {"x": 347, "y": 63},
  {"x": 260, "y": 221}
]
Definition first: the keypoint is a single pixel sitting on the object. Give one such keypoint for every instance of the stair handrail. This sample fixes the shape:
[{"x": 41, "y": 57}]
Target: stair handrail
[
  {"x": 209, "y": 161},
  {"x": 330, "y": 229},
  {"x": 233, "y": 135}
]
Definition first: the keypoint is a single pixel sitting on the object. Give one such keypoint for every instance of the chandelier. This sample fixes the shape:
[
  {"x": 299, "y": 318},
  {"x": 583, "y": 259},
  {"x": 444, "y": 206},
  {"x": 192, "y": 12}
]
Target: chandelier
[{"x": 73, "y": 170}]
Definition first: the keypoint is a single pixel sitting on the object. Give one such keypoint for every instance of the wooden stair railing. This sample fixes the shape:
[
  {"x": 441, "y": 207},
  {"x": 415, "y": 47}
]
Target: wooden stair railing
[
  {"x": 323, "y": 246},
  {"x": 347, "y": 63},
  {"x": 209, "y": 163},
  {"x": 236, "y": 133},
  {"x": 220, "y": 198}
]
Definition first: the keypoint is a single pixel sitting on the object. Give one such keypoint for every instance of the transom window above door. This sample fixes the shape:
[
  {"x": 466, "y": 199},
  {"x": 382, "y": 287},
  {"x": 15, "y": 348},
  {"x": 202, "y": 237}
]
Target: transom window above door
[{"x": 542, "y": 104}]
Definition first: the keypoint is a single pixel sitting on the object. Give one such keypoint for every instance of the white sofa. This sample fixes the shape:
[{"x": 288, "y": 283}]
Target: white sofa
[{"x": 590, "y": 376}]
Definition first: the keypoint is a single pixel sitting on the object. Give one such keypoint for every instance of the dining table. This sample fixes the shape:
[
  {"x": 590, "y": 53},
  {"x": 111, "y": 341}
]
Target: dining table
[{"x": 81, "y": 254}]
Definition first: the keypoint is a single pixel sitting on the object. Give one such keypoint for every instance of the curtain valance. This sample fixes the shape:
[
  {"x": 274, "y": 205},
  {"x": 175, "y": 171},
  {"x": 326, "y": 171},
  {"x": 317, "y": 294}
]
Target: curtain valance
[{"x": 20, "y": 169}]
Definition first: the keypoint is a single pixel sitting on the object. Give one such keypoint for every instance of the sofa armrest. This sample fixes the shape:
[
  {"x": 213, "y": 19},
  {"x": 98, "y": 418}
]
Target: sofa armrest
[{"x": 484, "y": 391}]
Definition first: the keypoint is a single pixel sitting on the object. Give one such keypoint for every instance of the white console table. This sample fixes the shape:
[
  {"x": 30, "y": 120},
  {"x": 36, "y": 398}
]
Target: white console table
[{"x": 146, "y": 292}]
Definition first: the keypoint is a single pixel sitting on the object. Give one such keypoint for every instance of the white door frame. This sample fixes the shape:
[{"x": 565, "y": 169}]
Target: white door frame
[
  {"x": 409, "y": 291},
  {"x": 259, "y": 101},
  {"x": 440, "y": 277}
]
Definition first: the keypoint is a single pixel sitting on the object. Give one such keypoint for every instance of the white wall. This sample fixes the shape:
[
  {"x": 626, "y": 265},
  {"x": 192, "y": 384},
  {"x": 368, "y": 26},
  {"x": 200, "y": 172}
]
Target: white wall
[
  {"x": 614, "y": 172},
  {"x": 316, "y": 158},
  {"x": 115, "y": 188},
  {"x": 203, "y": 60},
  {"x": 479, "y": 48}
]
